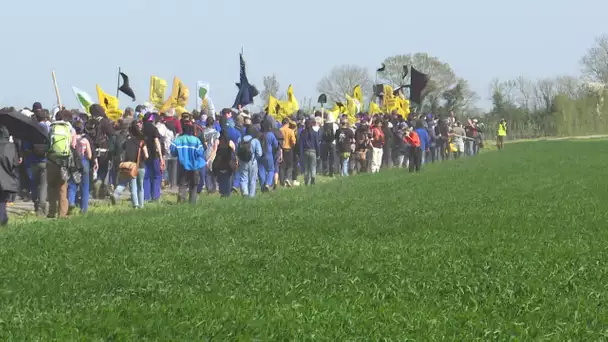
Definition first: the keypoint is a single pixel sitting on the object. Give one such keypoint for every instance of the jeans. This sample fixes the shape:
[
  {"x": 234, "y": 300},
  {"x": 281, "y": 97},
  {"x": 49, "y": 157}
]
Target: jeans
[
  {"x": 329, "y": 156},
  {"x": 223, "y": 180},
  {"x": 310, "y": 166},
  {"x": 236, "y": 183},
  {"x": 468, "y": 147},
  {"x": 172, "y": 172},
  {"x": 39, "y": 186},
  {"x": 387, "y": 156},
  {"x": 211, "y": 182},
  {"x": 376, "y": 159},
  {"x": 203, "y": 179},
  {"x": 443, "y": 146},
  {"x": 399, "y": 160},
  {"x": 266, "y": 171},
  {"x": 248, "y": 173},
  {"x": 415, "y": 158},
  {"x": 152, "y": 180},
  {"x": 344, "y": 159},
  {"x": 104, "y": 169},
  {"x": 187, "y": 181},
  {"x": 136, "y": 187},
  {"x": 84, "y": 187},
  {"x": 286, "y": 166}
]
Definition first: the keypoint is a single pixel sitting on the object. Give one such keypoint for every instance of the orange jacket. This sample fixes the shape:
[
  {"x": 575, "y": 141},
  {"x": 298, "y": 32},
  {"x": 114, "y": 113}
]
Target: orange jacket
[
  {"x": 412, "y": 139},
  {"x": 289, "y": 137}
]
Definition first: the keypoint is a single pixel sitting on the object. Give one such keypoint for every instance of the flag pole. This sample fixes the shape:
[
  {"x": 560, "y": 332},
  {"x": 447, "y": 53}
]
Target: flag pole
[
  {"x": 118, "y": 84},
  {"x": 197, "y": 95},
  {"x": 56, "y": 90}
]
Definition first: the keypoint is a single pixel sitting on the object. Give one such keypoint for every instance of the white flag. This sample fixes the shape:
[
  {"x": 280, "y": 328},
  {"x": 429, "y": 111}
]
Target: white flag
[{"x": 84, "y": 100}]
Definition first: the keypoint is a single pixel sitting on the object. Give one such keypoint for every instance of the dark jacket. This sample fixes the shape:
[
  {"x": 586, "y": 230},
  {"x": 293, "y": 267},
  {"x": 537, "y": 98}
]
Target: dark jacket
[
  {"x": 309, "y": 140},
  {"x": 9, "y": 164}
]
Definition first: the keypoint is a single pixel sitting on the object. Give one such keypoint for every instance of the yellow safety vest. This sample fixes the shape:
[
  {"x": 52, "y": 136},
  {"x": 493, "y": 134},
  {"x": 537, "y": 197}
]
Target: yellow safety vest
[{"x": 502, "y": 130}]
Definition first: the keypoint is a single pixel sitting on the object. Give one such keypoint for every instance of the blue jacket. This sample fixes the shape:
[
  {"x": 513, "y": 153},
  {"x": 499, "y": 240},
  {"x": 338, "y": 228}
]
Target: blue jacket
[
  {"x": 234, "y": 134},
  {"x": 271, "y": 144},
  {"x": 309, "y": 140},
  {"x": 425, "y": 139},
  {"x": 189, "y": 151},
  {"x": 256, "y": 149}
]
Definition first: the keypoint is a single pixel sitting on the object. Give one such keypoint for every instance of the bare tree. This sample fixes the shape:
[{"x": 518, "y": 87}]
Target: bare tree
[
  {"x": 271, "y": 87},
  {"x": 342, "y": 79},
  {"x": 595, "y": 62}
]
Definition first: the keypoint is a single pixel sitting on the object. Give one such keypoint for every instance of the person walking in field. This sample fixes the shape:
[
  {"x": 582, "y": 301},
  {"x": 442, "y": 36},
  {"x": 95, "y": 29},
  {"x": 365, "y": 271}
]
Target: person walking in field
[
  {"x": 190, "y": 154},
  {"x": 501, "y": 134},
  {"x": 309, "y": 150},
  {"x": 249, "y": 150},
  {"x": 135, "y": 154}
]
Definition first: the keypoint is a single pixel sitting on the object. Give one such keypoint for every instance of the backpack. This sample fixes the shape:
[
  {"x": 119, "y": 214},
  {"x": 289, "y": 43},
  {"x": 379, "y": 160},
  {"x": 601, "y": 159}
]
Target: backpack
[
  {"x": 244, "y": 150},
  {"x": 94, "y": 131},
  {"x": 61, "y": 140},
  {"x": 328, "y": 133}
]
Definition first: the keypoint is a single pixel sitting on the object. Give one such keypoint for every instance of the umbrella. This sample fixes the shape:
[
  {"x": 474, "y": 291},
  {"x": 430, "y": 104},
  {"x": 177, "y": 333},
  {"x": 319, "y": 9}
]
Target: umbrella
[{"x": 23, "y": 128}]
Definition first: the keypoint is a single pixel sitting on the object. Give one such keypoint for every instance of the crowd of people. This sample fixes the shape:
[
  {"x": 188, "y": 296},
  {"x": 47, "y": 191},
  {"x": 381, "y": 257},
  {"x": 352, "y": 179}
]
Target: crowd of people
[{"x": 89, "y": 155}]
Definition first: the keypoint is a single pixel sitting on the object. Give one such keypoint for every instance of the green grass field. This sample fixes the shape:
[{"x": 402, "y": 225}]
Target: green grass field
[{"x": 508, "y": 245}]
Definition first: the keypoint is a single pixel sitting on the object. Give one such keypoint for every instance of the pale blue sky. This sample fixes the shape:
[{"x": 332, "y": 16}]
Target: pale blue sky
[{"x": 299, "y": 41}]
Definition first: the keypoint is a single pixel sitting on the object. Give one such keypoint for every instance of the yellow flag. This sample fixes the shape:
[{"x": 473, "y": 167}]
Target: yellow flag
[
  {"x": 338, "y": 109},
  {"x": 291, "y": 98},
  {"x": 272, "y": 106},
  {"x": 390, "y": 102},
  {"x": 358, "y": 94},
  {"x": 109, "y": 104},
  {"x": 374, "y": 108},
  {"x": 351, "y": 109},
  {"x": 178, "y": 99},
  {"x": 404, "y": 107},
  {"x": 158, "y": 87}
]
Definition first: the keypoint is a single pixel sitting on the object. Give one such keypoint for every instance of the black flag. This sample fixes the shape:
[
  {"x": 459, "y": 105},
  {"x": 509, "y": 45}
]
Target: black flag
[
  {"x": 246, "y": 90},
  {"x": 418, "y": 83},
  {"x": 125, "y": 87},
  {"x": 381, "y": 69}
]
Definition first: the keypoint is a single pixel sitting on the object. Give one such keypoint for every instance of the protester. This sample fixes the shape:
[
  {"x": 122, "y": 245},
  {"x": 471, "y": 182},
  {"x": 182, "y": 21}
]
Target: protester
[
  {"x": 288, "y": 147},
  {"x": 501, "y": 134},
  {"x": 85, "y": 153},
  {"x": 458, "y": 135},
  {"x": 328, "y": 145},
  {"x": 62, "y": 140},
  {"x": 221, "y": 153},
  {"x": 224, "y": 163},
  {"x": 210, "y": 137},
  {"x": 190, "y": 155},
  {"x": 249, "y": 150},
  {"x": 101, "y": 131},
  {"x": 344, "y": 138},
  {"x": 309, "y": 149},
  {"x": 155, "y": 164},
  {"x": 133, "y": 167},
  {"x": 9, "y": 179}
]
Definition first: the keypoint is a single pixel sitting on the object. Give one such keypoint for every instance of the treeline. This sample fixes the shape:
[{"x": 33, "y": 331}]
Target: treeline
[{"x": 564, "y": 106}]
